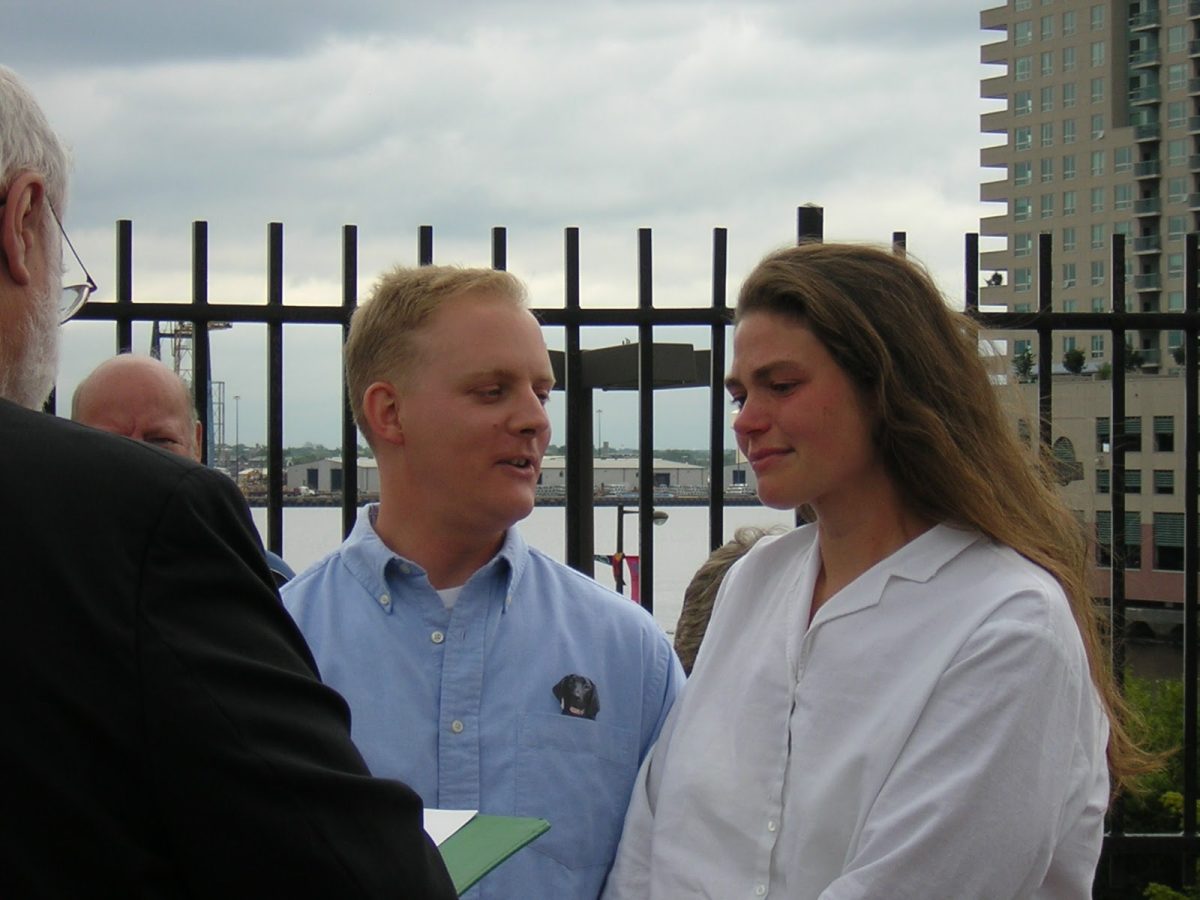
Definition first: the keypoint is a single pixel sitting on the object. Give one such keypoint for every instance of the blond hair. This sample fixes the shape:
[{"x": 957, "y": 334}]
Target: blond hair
[
  {"x": 940, "y": 429},
  {"x": 381, "y": 345}
]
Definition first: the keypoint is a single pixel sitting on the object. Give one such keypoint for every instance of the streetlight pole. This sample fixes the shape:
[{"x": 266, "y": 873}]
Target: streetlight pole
[
  {"x": 599, "y": 432},
  {"x": 619, "y": 556},
  {"x": 237, "y": 436}
]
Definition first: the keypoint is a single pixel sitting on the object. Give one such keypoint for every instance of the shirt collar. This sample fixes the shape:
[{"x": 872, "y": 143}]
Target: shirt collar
[{"x": 368, "y": 557}]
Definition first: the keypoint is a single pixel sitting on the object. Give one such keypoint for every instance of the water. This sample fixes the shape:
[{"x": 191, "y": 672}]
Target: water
[{"x": 680, "y": 543}]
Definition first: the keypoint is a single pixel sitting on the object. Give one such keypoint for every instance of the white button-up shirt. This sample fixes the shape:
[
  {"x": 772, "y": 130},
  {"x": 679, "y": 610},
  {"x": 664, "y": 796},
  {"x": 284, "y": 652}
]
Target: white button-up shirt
[{"x": 933, "y": 733}]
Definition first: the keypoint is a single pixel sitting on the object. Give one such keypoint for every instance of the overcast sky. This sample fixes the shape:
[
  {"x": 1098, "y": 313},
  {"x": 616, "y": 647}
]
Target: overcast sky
[{"x": 610, "y": 116}]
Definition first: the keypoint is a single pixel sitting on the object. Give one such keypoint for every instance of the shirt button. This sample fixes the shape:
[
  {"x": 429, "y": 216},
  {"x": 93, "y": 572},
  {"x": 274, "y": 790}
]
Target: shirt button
[
  {"x": 385, "y": 601},
  {"x": 437, "y": 637},
  {"x": 771, "y": 826},
  {"x": 760, "y": 891},
  {"x": 456, "y": 726},
  {"x": 405, "y": 568}
]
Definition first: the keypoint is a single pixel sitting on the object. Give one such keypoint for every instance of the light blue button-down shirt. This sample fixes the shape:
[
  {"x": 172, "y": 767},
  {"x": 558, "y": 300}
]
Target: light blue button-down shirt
[{"x": 460, "y": 703}]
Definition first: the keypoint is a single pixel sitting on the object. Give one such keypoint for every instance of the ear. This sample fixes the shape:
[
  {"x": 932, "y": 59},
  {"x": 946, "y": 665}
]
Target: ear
[
  {"x": 382, "y": 411},
  {"x": 21, "y": 228}
]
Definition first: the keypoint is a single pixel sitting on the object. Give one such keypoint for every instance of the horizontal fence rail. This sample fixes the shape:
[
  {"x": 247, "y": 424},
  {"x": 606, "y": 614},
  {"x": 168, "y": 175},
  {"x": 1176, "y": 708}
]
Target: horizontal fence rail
[{"x": 572, "y": 317}]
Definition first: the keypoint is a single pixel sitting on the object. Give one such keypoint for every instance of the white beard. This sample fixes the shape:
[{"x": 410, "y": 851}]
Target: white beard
[{"x": 29, "y": 356}]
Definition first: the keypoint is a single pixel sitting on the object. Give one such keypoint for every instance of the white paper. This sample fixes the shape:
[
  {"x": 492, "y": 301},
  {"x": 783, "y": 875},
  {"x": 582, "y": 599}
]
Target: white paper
[{"x": 441, "y": 823}]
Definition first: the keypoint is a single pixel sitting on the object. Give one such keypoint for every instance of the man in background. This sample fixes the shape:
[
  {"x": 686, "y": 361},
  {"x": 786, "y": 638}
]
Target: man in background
[
  {"x": 165, "y": 734},
  {"x": 477, "y": 669},
  {"x": 140, "y": 398}
]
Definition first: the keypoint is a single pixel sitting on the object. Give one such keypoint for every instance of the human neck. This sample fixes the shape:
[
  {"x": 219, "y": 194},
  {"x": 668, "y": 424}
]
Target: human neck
[{"x": 449, "y": 555}]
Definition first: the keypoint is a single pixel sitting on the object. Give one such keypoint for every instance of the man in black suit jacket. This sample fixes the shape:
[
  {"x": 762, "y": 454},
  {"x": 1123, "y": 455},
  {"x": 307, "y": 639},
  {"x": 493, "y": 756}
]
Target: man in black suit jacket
[{"x": 165, "y": 734}]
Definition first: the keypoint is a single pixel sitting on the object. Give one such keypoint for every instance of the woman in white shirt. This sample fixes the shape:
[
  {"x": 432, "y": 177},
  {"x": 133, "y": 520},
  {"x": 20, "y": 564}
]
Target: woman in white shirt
[{"x": 907, "y": 698}]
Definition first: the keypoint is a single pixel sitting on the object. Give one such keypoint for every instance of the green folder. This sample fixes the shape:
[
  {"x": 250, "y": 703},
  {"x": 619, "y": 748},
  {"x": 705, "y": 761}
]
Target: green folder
[{"x": 484, "y": 843}]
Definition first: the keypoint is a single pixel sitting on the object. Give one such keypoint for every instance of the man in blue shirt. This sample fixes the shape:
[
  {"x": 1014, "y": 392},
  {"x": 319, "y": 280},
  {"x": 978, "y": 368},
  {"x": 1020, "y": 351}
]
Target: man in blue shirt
[{"x": 480, "y": 671}]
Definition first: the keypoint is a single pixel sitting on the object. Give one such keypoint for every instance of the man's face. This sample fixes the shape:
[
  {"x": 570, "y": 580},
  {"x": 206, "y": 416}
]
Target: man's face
[
  {"x": 29, "y": 330},
  {"x": 472, "y": 417},
  {"x": 140, "y": 399}
]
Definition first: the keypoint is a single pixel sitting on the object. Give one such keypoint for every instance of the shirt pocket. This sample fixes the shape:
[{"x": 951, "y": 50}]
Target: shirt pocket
[{"x": 577, "y": 774}]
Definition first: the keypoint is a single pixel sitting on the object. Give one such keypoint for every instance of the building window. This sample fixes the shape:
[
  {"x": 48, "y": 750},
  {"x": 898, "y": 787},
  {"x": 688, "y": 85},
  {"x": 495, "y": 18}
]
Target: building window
[
  {"x": 1047, "y": 132},
  {"x": 1069, "y": 25},
  {"x": 1097, "y": 163},
  {"x": 1177, "y": 189},
  {"x": 1097, "y": 17},
  {"x": 1069, "y": 307},
  {"x": 1047, "y": 27},
  {"x": 1133, "y": 539},
  {"x": 1022, "y": 5},
  {"x": 1174, "y": 7},
  {"x": 1098, "y": 236},
  {"x": 1168, "y": 541},
  {"x": 1068, "y": 344},
  {"x": 1022, "y": 173},
  {"x": 1176, "y": 113},
  {"x": 1097, "y": 346},
  {"x": 1164, "y": 431},
  {"x": 1176, "y": 152},
  {"x": 1174, "y": 301},
  {"x": 1097, "y": 126},
  {"x": 1122, "y": 159},
  {"x": 1174, "y": 265},
  {"x": 1103, "y": 481},
  {"x": 1022, "y": 244},
  {"x": 1174, "y": 342},
  {"x": 1047, "y": 206},
  {"x": 1133, "y": 441},
  {"x": 1068, "y": 203},
  {"x": 1068, "y": 270},
  {"x": 1068, "y": 131},
  {"x": 1068, "y": 61},
  {"x": 1023, "y": 137},
  {"x": 1176, "y": 227},
  {"x": 1022, "y": 280},
  {"x": 1103, "y": 439},
  {"x": 1097, "y": 199},
  {"x": 1068, "y": 233},
  {"x": 1068, "y": 167},
  {"x": 1068, "y": 92},
  {"x": 1097, "y": 272},
  {"x": 1020, "y": 348},
  {"x": 1176, "y": 38},
  {"x": 1047, "y": 95},
  {"x": 1123, "y": 196},
  {"x": 1023, "y": 33},
  {"x": 1097, "y": 54},
  {"x": 1022, "y": 103},
  {"x": 1133, "y": 481},
  {"x": 1097, "y": 90},
  {"x": 1022, "y": 209},
  {"x": 1047, "y": 169},
  {"x": 1176, "y": 76},
  {"x": 1098, "y": 304},
  {"x": 1164, "y": 481}
]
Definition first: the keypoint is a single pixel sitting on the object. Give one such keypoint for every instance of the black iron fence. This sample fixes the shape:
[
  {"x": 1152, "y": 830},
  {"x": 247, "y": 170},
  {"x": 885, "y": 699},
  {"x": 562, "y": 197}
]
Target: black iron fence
[{"x": 1180, "y": 847}]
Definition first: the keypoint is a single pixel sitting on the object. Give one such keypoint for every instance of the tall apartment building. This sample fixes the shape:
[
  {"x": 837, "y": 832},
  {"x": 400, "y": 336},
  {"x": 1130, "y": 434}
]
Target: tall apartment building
[
  {"x": 1101, "y": 122},
  {"x": 1101, "y": 136}
]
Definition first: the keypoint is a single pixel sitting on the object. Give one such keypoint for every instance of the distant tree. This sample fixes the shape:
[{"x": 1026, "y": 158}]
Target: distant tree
[
  {"x": 1073, "y": 361},
  {"x": 1134, "y": 359},
  {"x": 1023, "y": 365},
  {"x": 1105, "y": 371}
]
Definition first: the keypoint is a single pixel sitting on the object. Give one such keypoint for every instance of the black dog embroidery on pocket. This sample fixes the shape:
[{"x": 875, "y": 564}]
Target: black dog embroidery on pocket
[{"x": 577, "y": 696}]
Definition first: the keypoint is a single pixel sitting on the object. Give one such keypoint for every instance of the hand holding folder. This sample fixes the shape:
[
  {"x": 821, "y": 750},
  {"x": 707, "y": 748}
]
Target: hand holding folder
[{"x": 472, "y": 845}]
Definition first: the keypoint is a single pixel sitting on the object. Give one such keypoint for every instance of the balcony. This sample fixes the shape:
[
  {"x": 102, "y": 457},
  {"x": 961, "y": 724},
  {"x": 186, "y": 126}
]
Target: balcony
[
  {"x": 1147, "y": 168},
  {"x": 994, "y": 53},
  {"x": 1147, "y": 19},
  {"x": 1149, "y": 93},
  {"x": 1150, "y": 243},
  {"x": 1194, "y": 9},
  {"x": 994, "y": 88},
  {"x": 1140, "y": 59},
  {"x": 1194, "y": 162},
  {"x": 1193, "y": 124},
  {"x": 1147, "y": 206},
  {"x": 1193, "y": 85},
  {"x": 994, "y": 157},
  {"x": 994, "y": 19},
  {"x": 1193, "y": 48},
  {"x": 1149, "y": 281},
  {"x": 994, "y": 191},
  {"x": 1193, "y": 202},
  {"x": 995, "y": 122},
  {"x": 994, "y": 226},
  {"x": 1148, "y": 132}
]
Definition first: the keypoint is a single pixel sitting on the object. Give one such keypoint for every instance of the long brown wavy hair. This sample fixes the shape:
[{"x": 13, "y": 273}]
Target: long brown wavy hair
[{"x": 941, "y": 429}]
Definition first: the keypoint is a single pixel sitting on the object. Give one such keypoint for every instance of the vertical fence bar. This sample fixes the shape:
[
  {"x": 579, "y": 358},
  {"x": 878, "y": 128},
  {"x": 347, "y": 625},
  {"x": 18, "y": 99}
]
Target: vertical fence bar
[
  {"x": 275, "y": 390},
  {"x": 1120, "y": 446},
  {"x": 1191, "y": 553},
  {"x": 717, "y": 407},
  {"x": 124, "y": 316},
  {"x": 1045, "y": 339},
  {"x": 900, "y": 243},
  {"x": 500, "y": 248},
  {"x": 425, "y": 245},
  {"x": 646, "y": 418},
  {"x": 580, "y": 512},
  {"x": 349, "y": 430},
  {"x": 201, "y": 355},
  {"x": 971, "y": 276}
]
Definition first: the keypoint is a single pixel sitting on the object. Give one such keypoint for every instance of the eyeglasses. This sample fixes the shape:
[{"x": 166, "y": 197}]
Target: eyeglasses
[{"x": 73, "y": 295}]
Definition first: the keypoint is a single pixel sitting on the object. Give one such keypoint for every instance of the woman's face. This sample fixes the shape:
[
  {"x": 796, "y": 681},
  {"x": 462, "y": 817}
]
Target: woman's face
[{"x": 801, "y": 422}]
